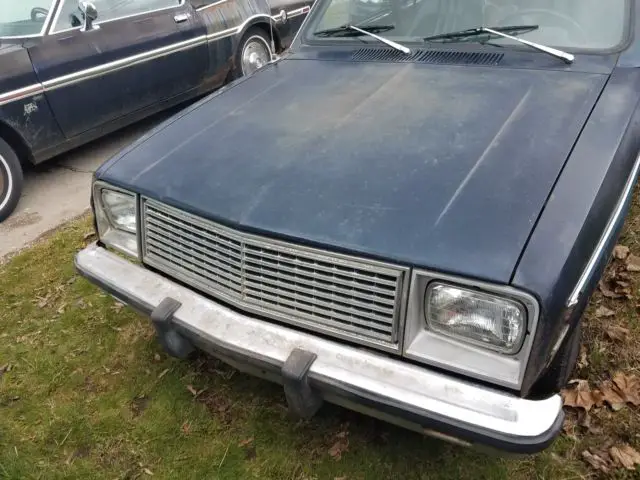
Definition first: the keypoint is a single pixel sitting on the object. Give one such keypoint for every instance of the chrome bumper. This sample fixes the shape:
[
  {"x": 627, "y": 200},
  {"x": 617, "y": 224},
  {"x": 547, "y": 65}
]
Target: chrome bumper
[{"x": 373, "y": 383}]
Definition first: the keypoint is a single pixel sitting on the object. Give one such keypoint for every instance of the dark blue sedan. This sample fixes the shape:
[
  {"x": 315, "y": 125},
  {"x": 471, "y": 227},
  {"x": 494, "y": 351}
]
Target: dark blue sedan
[
  {"x": 73, "y": 71},
  {"x": 405, "y": 215}
]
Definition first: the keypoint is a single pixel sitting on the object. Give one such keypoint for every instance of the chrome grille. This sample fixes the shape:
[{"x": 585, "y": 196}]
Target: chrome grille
[{"x": 335, "y": 294}]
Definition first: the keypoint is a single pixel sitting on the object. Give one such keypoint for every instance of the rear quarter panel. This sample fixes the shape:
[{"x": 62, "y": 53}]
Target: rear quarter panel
[{"x": 30, "y": 117}]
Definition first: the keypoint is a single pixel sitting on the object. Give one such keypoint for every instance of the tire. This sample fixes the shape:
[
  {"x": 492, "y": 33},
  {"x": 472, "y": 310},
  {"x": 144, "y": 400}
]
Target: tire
[
  {"x": 253, "y": 38},
  {"x": 11, "y": 180}
]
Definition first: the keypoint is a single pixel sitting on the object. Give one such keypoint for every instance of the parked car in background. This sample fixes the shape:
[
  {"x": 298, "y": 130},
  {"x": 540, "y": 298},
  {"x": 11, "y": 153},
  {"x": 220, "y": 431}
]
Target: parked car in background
[
  {"x": 71, "y": 72},
  {"x": 426, "y": 203}
]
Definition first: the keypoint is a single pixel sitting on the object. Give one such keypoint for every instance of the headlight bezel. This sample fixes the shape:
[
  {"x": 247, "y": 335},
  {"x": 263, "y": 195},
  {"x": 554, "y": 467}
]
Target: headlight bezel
[
  {"x": 426, "y": 346},
  {"x": 111, "y": 235}
]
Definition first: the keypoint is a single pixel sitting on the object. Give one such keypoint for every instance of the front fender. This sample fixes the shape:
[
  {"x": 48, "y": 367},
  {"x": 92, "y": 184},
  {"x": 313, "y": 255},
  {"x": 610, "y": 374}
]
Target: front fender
[{"x": 577, "y": 228}]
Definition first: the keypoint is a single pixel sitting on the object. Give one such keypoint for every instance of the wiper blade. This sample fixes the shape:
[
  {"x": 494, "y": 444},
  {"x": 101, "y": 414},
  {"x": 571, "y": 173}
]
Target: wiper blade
[
  {"x": 475, "y": 32},
  {"x": 500, "y": 32},
  {"x": 346, "y": 31},
  {"x": 353, "y": 31}
]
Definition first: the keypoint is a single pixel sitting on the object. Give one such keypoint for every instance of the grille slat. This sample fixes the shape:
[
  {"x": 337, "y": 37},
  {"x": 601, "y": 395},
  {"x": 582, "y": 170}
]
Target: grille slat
[
  {"x": 295, "y": 277},
  {"x": 338, "y": 304},
  {"x": 331, "y": 293}
]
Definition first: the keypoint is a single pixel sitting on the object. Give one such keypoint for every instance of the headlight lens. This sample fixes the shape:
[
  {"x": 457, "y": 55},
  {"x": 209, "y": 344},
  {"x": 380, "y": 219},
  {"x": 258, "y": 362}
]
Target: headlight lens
[
  {"x": 483, "y": 319},
  {"x": 121, "y": 209},
  {"x": 116, "y": 216}
]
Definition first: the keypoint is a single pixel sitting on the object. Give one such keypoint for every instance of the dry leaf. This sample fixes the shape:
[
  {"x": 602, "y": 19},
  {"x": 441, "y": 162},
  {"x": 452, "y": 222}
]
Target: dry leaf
[
  {"x": 163, "y": 373},
  {"x": 186, "y": 427},
  {"x": 617, "y": 333},
  {"x": 626, "y": 456},
  {"x": 628, "y": 386},
  {"x": 606, "y": 292},
  {"x": 583, "y": 361},
  {"x": 246, "y": 442},
  {"x": 597, "y": 461},
  {"x": 620, "y": 252},
  {"x": 603, "y": 311},
  {"x": 147, "y": 471},
  {"x": 633, "y": 263},
  {"x": 117, "y": 307},
  {"x": 88, "y": 235},
  {"x": 156, "y": 357},
  {"x": 193, "y": 391},
  {"x": 338, "y": 448},
  {"x": 580, "y": 396},
  {"x": 608, "y": 394}
]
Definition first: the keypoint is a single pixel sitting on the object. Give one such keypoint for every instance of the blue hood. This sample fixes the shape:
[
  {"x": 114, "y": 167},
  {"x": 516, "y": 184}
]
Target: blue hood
[{"x": 442, "y": 167}]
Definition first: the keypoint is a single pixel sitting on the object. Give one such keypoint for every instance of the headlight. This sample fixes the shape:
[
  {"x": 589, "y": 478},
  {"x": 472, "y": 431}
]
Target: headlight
[
  {"x": 483, "y": 319},
  {"x": 116, "y": 217}
]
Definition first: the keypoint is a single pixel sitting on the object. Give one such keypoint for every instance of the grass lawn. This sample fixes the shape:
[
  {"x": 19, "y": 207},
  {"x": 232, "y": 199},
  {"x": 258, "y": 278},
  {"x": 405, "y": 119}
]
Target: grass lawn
[{"x": 86, "y": 392}]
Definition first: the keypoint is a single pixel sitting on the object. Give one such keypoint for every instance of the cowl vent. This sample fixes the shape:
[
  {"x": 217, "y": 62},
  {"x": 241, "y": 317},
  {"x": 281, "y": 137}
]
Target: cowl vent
[{"x": 441, "y": 57}]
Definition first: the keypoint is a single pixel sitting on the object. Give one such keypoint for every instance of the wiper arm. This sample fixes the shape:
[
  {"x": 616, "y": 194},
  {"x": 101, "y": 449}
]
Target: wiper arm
[
  {"x": 500, "y": 32},
  {"x": 352, "y": 30},
  {"x": 565, "y": 56}
]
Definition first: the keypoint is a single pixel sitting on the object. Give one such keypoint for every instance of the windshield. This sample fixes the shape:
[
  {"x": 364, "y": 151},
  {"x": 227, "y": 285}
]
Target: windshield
[
  {"x": 23, "y": 17},
  {"x": 569, "y": 24}
]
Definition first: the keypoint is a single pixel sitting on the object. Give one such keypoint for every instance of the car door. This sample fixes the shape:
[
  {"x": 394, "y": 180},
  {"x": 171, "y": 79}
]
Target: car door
[{"x": 139, "y": 53}]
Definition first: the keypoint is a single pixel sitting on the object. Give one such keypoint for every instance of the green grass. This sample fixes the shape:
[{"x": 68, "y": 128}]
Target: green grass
[{"x": 90, "y": 394}]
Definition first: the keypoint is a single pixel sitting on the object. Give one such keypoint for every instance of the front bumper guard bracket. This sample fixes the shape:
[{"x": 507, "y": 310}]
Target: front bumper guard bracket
[
  {"x": 303, "y": 402},
  {"x": 172, "y": 342}
]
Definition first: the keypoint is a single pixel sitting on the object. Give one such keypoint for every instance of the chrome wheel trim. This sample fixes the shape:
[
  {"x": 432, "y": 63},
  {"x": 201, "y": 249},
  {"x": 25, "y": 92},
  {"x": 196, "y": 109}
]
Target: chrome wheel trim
[
  {"x": 256, "y": 53},
  {"x": 6, "y": 182}
]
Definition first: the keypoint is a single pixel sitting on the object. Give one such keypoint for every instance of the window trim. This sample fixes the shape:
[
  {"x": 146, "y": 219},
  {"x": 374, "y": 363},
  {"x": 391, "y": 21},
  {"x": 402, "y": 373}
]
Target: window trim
[
  {"x": 47, "y": 21},
  {"x": 53, "y": 31}
]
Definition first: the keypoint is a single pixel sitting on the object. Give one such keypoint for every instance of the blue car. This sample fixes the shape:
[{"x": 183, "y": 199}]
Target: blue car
[
  {"x": 73, "y": 71},
  {"x": 404, "y": 215}
]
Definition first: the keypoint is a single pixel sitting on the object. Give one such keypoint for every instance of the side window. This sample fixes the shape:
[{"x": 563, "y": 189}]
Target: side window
[{"x": 70, "y": 16}]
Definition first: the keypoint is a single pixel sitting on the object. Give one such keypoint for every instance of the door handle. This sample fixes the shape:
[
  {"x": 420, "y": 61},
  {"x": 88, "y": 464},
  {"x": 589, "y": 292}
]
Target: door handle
[{"x": 181, "y": 17}]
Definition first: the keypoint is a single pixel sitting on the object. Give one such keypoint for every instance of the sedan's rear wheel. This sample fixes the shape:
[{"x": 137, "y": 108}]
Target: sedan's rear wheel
[
  {"x": 10, "y": 180},
  {"x": 254, "y": 52}
]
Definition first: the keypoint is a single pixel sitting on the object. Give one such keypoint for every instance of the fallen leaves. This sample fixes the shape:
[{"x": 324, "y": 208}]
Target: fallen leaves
[
  {"x": 579, "y": 397},
  {"x": 620, "y": 252},
  {"x": 629, "y": 387},
  {"x": 626, "y": 456},
  {"x": 617, "y": 333},
  {"x": 624, "y": 389},
  {"x": 249, "y": 448},
  {"x": 602, "y": 312},
  {"x": 194, "y": 392},
  {"x": 623, "y": 455},
  {"x": 633, "y": 263},
  {"x": 340, "y": 446}
]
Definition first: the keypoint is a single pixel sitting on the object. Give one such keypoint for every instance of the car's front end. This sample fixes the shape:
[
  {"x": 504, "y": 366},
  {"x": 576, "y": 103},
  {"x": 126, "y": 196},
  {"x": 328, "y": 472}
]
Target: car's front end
[
  {"x": 413, "y": 237},
  {"x": 413, "y": 347}
]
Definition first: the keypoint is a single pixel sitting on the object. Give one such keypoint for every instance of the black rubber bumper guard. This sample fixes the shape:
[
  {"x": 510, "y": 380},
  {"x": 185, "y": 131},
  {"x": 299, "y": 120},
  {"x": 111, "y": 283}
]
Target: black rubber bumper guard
[{"x": 302, "y": 400}]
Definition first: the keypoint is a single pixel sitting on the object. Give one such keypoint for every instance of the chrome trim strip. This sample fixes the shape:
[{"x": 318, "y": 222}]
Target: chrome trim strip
[
  {"x": 21, "y": 93},
  {"x": 116, "y": 65},
  {"x": 383, "y": 379},
  {"x": 55, "y": 20},
  {"x": 44, "y": 26},
  {"x": 606, "y": 235},
  {"x": 214, "y": 4}
]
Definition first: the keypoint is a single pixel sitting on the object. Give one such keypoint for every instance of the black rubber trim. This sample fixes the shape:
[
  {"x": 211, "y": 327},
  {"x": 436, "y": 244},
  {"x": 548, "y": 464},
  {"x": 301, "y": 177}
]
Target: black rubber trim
[{"x": 446, "y": 425}]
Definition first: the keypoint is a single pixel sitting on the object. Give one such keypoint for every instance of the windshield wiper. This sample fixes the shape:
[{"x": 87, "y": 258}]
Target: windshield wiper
[
  {"x": 353, "y": 31},
  {"x": 500, "y": 32}
]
